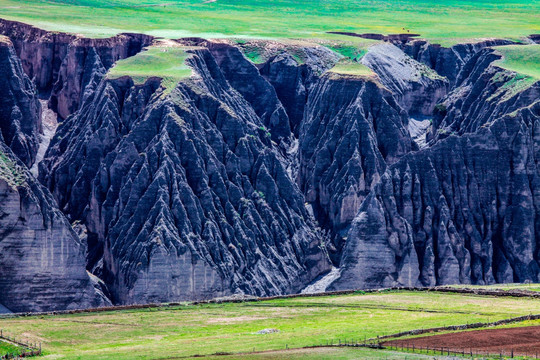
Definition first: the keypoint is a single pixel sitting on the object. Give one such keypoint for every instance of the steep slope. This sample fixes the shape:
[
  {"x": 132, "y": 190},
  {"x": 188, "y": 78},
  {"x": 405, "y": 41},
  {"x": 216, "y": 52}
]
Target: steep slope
[
  {"x": 416, "y": 87},
  {"x": 42, "y": 261},
  {"x": 352, "y": 128},
  {"x": 483, "y": 93},
  {"x": 61, "y": 64},
  {"x": 191, "y": 199},
  {"x": 20, "y": 111},
  {"x": 293, "y": 73},
  {"x": 463, "y": 211},
  {"x": 447, "y": 61}
]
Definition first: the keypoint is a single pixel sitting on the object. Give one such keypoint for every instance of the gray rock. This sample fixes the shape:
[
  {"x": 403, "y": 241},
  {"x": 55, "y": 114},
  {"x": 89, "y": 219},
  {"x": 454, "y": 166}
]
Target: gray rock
[
  {"x": 184, "y": 196},
  {"x": 416, "y": 87},
  {"x": 20, "y": 110},
  {"x": 462, "y": 211},
  {"x": 352, "y": 128},
  {"x": 42, "y": 261}
]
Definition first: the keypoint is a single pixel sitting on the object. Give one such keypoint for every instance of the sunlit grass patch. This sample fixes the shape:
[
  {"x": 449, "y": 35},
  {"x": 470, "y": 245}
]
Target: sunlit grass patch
[
  {"x": 352, "y": 68},
  {"x": 187, "y": 330},
  {"x": 165, "y": 62},
  {"x": 523, "y": 59}
]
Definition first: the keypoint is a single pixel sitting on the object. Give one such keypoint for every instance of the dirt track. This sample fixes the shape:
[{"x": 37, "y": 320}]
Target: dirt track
[{"x": 522, "y": 340}]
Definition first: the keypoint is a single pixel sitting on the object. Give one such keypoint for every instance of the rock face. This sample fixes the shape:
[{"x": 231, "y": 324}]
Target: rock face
[
  {"x": 204, "y": 205},
  {"x": 20, "y": 111},
  {"x": 483, "y": 93},
  {"x": 352, "y": 128},
  {"x": 62, "y": 63},
  {"x": 42, "y": 260},
  {"x": 447, "y": 61},
  {"x": 294, "y": 78},
  {"x": 416, "y": 87},
  {"x": 464, "y": 209},
  {"x": 261, "y": 177}
]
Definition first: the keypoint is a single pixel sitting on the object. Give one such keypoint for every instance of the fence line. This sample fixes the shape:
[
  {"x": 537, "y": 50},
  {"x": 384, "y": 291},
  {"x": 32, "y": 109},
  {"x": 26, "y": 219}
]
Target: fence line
[
  {"x": 28, "y": 349},
  {"x": 481, "y": 292}
]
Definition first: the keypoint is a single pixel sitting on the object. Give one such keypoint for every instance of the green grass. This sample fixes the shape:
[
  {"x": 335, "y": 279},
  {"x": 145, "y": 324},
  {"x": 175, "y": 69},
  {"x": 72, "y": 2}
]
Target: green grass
[
  {"x": 8, "y": 348},
  {"x": 165, "y": 62},
  {"x": 10, "y": 171},
  {"x": 529, "y": 287},
  {"x": 259, "y": 51},
  {"x": 206, "y": 329},
  {"x": 325, "y": 354},
  {"x": 445, "y": 21},
  {"x": 353, "y": 49},
  {"x": 353, "y": 68},
  {"x": 523, "y": 59}
]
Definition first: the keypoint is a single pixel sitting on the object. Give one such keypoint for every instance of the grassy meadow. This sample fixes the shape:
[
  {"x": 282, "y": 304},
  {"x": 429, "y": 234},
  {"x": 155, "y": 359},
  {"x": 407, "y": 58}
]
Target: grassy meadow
[
  {"x": 523, "y": 59},
  {"x": 189, "y": 330},
  {"x": 506, "y": 287},
  {"x": 444, "y": 21},
  {"x": 348, "y": 67},
  {"x": 166, "y": 62}
]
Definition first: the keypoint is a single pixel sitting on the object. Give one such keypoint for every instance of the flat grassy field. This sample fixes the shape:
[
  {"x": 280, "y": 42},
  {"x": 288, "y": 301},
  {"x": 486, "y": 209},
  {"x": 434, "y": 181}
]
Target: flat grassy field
[
  {"x": 517, "y": 286},
  {"x": 327, "y": 353},
  {"x": 445, "y": 21},
  {"x": 166, "y": 62},
  {"x": 523, "y": 59},
  {"x": 188, "y": 330},
  {"x": 348, "y": 67}
]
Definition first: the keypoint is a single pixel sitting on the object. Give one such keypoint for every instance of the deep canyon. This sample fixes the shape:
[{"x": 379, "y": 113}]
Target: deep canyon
[{"x": 260, "y": 178}]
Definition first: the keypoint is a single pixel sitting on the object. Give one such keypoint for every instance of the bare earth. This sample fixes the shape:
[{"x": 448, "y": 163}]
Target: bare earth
[{"x": 522, "y": 340}]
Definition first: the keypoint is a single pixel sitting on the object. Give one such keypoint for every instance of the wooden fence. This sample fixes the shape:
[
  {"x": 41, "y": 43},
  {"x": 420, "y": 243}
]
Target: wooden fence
[{"x": 29, "y": 349}]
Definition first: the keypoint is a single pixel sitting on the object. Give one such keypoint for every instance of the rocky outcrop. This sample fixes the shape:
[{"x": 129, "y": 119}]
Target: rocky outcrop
[
  {"x": 262, "y": 170},
  {"x": 42, "y": 261},
  {"x": 485, "y": 92},
  {"x": 352, "y": 128},
  {"x": 185, "y": 194},
  {"x": 245, "y": 78},
  {"x": 462, "y": 211},
  {"x": 416, "y": 87},
  {"x": 294, "y": 77},
  {"x": 62, "y": 63},
  {"x": 447, "y": 61},
  {"x": 20, "y": 110}
]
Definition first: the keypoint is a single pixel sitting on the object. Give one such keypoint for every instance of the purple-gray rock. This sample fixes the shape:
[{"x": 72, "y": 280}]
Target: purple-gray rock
[{"x": 20, "y": 110}]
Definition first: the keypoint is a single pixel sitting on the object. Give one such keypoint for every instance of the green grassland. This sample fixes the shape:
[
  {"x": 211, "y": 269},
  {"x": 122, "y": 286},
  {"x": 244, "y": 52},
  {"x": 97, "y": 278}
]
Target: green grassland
[
  {"x": 165, "y": 62},
  {"x": 8, "y": 348},
  {"x": 523, "y": 59},
  {"x": 506, "y": 287},
  {"x": 443, "y": 21},
  {"x": 188, "y": 330},
  {"x": 325, "y": 353},
  {"x": 348, "y": 67}
]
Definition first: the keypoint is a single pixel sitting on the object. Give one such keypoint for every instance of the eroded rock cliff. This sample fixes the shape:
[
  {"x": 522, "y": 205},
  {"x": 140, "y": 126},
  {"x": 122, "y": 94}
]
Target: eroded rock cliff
[
  {"x": 20, "y": 110},
  {"x": 266, "y": 165},
  {"x": 184, "y": 193},
  {"x": 352, "y": 128},
  {"x": 61, "y": 64},
  {"x": 42, "y": 260}
]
